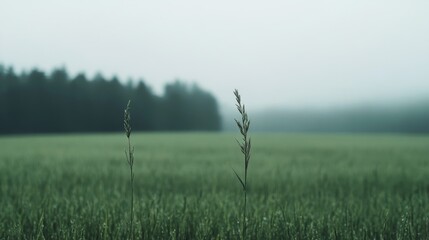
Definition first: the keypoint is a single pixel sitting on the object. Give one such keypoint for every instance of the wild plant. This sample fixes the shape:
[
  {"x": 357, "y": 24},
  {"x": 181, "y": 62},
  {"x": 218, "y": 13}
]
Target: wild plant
[
  {"x": 129, "y": 155},
  {"x": 245, "y": 145}
]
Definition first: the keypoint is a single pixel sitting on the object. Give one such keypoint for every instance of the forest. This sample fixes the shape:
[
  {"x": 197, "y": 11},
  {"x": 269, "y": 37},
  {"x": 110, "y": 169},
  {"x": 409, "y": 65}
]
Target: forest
[{"x": 40, "y": 102}]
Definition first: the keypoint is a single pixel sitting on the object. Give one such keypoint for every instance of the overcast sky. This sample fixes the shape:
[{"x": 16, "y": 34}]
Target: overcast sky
[{"x": 277, "y": 53}]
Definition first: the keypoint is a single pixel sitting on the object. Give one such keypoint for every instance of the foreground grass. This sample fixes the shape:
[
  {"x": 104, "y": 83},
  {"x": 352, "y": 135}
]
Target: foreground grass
[{"x": 301, "y": 187}]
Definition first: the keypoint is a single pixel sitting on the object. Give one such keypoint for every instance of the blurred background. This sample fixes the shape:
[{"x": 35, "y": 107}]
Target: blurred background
[{"x": 300, "y": 66}]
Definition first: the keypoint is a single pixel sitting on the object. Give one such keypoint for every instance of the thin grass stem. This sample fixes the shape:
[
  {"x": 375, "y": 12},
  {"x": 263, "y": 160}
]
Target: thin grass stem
[
  {"x": 129, "y": 154},
  {"x": 245, "y": 146}
]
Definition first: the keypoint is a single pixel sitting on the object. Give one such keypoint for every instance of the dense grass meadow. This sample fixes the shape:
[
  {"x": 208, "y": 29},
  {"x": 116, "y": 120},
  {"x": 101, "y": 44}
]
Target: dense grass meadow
[{"x": 322, "y": 186}]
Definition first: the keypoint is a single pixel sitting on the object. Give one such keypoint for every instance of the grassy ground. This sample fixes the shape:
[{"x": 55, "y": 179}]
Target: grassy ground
[{"x": 301, "y": 187}]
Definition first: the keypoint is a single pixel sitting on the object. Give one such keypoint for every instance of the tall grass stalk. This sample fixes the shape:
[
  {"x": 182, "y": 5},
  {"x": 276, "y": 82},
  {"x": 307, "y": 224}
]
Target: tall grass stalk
[
  {"x": 129, "y": 155},
  {"x": 245, "y": 145}
]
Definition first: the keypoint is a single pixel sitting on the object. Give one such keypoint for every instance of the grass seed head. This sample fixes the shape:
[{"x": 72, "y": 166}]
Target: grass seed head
[
  {"x": 245, "y": 145},
  {"x": 127, "y": 119}
]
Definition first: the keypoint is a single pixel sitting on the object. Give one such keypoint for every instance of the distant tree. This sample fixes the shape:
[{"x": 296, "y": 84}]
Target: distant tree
[
  {"x": 145, "y": 108},
  {"x": 174, "y": 106},
  {"x": 113, "y": 104},
  {"x": 79, "y": 115},
  {"x": 204, "y": 110},
  {"x": 190, "y": 108},
  {"x": 59, "y": 92},
  {"x": 4, "y": 105},
  {"x": 37, "y": 102},
  {"x": 13, "y": 96}
]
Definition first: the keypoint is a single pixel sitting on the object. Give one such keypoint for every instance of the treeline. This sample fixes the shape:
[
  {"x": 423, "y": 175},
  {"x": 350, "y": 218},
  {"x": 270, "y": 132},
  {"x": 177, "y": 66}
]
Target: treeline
[{"x": 37, "y": 102}]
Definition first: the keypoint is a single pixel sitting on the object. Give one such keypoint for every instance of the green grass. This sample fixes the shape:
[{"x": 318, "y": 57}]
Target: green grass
[{"x": 300, "y": 187}]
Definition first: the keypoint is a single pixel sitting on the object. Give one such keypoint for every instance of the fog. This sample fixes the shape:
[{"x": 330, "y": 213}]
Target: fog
[{"x": 291, "y": 54}]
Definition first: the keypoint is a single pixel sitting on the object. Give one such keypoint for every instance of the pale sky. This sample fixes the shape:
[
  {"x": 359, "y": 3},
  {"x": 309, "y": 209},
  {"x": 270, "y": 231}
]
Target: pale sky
[{"x": 276, "y": 52}]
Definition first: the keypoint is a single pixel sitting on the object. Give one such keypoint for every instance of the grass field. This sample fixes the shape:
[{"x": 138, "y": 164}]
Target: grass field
[{"x": 300, "y": 187}]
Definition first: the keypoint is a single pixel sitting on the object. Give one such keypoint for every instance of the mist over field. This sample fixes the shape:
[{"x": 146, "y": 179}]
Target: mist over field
[{"x": 394, "y": 117}]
